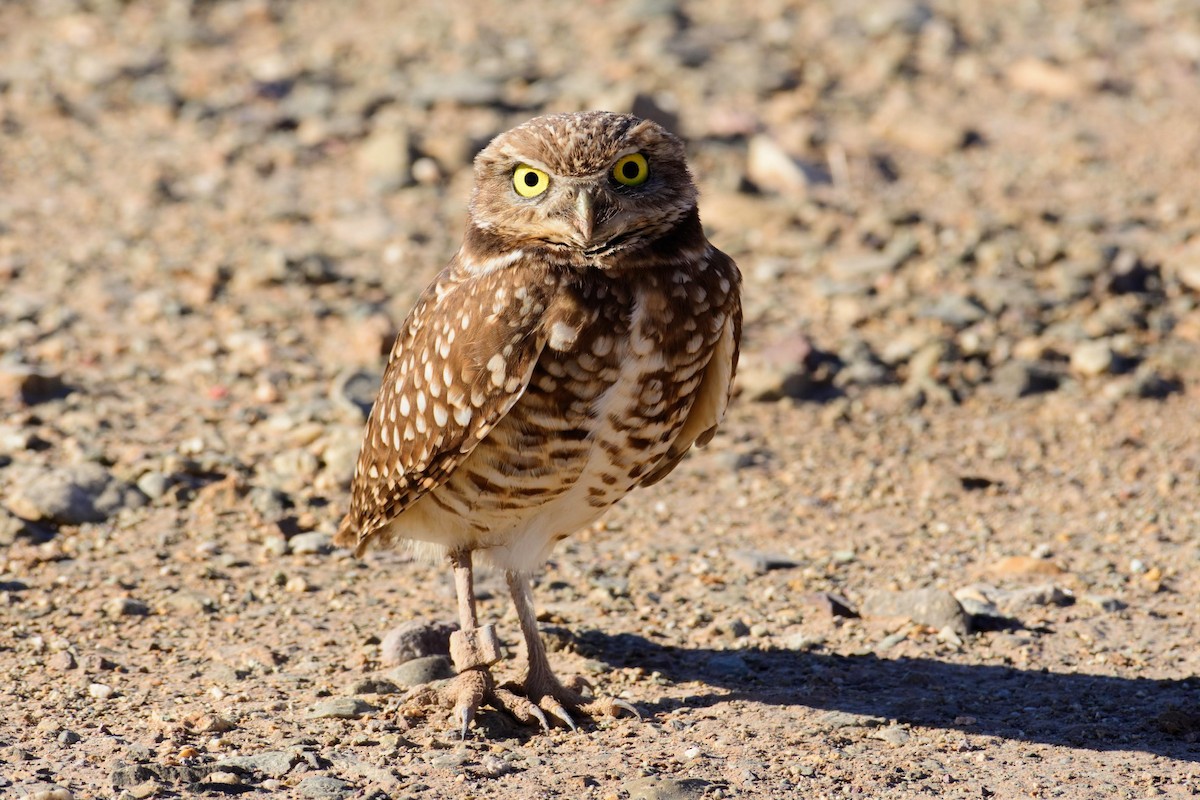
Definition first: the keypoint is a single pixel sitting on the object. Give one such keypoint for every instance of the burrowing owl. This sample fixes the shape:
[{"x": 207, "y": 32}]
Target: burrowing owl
[{"x": 583, "y": 338}]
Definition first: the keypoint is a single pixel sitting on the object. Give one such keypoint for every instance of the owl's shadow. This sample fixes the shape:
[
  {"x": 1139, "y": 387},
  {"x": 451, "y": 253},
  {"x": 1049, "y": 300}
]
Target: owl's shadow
[{"x": 1095, "y": 712}]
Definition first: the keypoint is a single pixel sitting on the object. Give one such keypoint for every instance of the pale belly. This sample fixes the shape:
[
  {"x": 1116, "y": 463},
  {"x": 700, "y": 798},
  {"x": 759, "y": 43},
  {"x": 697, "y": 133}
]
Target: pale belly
[{"x": 544, "y": 472}]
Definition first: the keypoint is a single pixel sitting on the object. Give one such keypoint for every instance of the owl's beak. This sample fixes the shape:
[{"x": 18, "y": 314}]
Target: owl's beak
[{"x": 584, "y": 216}]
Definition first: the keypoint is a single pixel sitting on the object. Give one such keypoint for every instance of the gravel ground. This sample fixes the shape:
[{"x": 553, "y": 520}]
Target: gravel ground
[{"x": 945, "y": 545}]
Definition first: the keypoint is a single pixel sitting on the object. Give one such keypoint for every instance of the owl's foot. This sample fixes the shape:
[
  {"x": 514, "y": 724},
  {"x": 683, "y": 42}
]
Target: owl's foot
[
  {"x": 560, "y": 701},
  {"x": 473, "y": 652},
  {"x": 533, "y": 703},
  {"x": 467, "y": 692}
]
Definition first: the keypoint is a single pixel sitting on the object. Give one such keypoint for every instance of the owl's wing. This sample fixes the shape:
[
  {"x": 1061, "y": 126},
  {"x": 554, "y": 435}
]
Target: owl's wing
[
  {"x": 716, "y": 387},
  {"x": 462, "y": 361}
]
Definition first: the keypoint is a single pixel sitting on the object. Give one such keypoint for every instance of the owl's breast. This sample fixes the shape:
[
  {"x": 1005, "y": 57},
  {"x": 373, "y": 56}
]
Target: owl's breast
[{"x": 607, "y": 398}]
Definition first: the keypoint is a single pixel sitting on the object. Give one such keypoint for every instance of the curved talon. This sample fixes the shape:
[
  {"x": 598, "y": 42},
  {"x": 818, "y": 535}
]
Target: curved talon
[
  {"x": 541, "y": 718},
  {"x": 522, "y": 708},
  {"x": 463, "y": 694},
  {"x": 466, "y": 714},
  {"x": 579, "y": 684},
  {"x": 552, "y": 705},
  {"x": 621, "y": 704},
  {"x": 542, "y": 702},
  {"x": 609, "y": 706}
]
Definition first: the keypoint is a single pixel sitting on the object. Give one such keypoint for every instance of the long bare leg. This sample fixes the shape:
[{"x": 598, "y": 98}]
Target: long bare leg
[
  {"x": 464, "y": 587},
  {"x": 472, "y": 649},
  {"x": 540, "y": 685}
]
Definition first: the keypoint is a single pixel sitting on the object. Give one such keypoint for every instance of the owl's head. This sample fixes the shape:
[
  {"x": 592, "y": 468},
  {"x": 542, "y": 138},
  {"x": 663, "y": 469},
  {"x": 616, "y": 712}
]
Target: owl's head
[{"x": 584, "y": 187}]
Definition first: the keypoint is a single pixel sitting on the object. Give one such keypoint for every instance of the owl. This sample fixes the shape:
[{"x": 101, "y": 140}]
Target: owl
[{"x": 583, "y": 339}]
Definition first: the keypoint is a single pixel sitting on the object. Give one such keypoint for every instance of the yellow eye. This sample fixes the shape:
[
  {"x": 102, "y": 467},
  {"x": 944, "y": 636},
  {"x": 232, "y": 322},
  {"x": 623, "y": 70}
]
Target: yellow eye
[
  {"x": 631, "y": 170},
  {"x": 530, "y": 182}
]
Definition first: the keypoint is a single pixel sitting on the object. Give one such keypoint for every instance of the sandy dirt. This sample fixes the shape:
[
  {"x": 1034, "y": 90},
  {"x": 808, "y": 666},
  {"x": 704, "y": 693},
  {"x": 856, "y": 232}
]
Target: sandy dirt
[{"x": 947, "y": 543}]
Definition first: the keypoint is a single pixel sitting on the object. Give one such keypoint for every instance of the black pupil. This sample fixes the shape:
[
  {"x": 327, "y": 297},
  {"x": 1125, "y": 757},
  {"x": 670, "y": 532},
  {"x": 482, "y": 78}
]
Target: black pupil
[
  {"x": 630, "y": 170},
  {"x": 531, "y": 179}
]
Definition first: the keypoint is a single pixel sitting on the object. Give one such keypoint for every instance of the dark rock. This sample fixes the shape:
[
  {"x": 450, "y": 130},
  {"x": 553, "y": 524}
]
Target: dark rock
[
  {"x": 374, "y": 686},
  {"x": 123, "y": 777},
  {"x": 727, "y": 666},
  {"x": 273, "y": 763},
  {"x": 648, "y": 107},
  {"x": 414, "y": 639},
  {"x": 355, "y": 391},
  {"x": 955, "y": 310},
  {"x": 832, "y": 604},
  {"x": 72, "y": 495},
  {"x": 760, "y": 562},
  {"x": 324, "y": 786},
  {"x": 1017, "y": 379},
  {"x": 656, "y": 787},
  {"x": 419, "y": 671},
  {"x": 339, "y": 708},
  {"x": 790, "y": 367},
  {"x": 1028, "y": 597},
  {"x": 126, "y": 607},
  {"x": 30, "y": 385}
]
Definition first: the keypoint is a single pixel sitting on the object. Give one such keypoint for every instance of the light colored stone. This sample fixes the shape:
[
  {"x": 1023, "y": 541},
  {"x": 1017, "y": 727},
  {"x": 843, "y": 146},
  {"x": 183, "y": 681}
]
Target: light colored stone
[
  {"x": 1091, "y": 358},
  {"x": 933, "y": 608},
  {"x": 384, "y": 157},
  {"x": 773, "y": 169},
  {"x": 1041, "y": 77},
  {"x": 311, "y": 542},
  {"x": 339, "y": 708}
]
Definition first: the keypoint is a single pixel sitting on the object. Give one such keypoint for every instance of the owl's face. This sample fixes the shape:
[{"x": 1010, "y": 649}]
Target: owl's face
[{"x": 584, "y": 187}]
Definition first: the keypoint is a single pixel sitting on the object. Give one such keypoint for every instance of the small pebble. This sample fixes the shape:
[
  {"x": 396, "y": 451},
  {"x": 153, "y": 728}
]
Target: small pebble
[
  {"x": 55, "y": 793},
  {"x": 727, "y": 666},
  {"x": 657, "y": 787},
  {"x": 760, "y": 562},
  {"x": 71, "y": 495},
  {"x": 273, "y": 763},
  {"x": 339, "y": 708},
  {"x": 227, "y": 778},
  {"x": 773, "y": 169},
  {"x": 311, "y": 542},
  {"x": 452, "y": 760},
  {"x": 892, "y": 734},
  {"x": 493, "y": 766},
  {"x": 416, "y": 638},
  {"x": 62, "y": 660},
  {"x": 153, "y": 484},
  {"x": 324, "y": 786},
  {"x": 1104, "y": 602},
  {"x": 126, "y": 607},
  {"x": 373, "y": 686},
  {"x": 934, "y": 608},
  {"x": 419, "y": 671},
  {"x": 1091, "y": 358},
  {"x": 143, "y": 790}
]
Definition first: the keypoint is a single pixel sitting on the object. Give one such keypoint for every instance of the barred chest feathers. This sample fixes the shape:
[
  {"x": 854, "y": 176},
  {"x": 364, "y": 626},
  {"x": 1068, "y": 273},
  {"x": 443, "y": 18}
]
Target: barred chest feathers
[{"x": 606, "y": 408}]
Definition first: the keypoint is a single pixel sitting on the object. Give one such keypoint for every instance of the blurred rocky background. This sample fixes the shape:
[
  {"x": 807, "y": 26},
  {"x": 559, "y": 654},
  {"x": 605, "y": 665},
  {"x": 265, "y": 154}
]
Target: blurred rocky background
[{"x": 970, "y": 235}]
